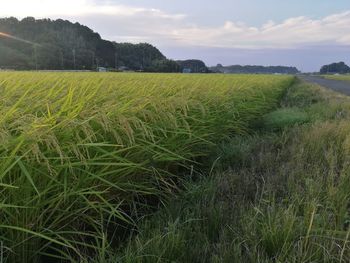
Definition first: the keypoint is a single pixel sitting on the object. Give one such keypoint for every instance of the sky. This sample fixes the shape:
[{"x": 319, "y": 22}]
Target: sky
[{"x": 302, "y": 33}]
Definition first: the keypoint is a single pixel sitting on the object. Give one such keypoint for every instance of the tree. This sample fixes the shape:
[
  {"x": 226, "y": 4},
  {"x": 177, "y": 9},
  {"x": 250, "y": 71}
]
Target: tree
[
  {"x": 60, "y": 44},
  {"x": 163, "y": 65},
  {"x": 255, "y": 69},
  {"x": 194, "y": 65},
  {"x": 339, "y": 67},
  {"x": 137, "y": 56}
]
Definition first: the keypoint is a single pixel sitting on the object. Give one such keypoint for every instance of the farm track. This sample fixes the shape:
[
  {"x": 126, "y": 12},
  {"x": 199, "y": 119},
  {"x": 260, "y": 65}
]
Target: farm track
[{"x": 336, "y": 85}]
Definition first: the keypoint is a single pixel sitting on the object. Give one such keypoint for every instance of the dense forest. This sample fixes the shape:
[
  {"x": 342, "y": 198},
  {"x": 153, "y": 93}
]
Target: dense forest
[
  {"x": 340, "y": 68},
  {"x": 254, "y": 69},
  {"x": 62, "y": 45}
]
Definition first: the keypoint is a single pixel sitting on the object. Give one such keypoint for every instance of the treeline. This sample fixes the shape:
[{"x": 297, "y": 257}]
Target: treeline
[
  {"x": 193, "y": 66},
  {"x": 254, "y": 69},
  {"x": 62, "y": 45},
  {"x": 335, "y": 68}
]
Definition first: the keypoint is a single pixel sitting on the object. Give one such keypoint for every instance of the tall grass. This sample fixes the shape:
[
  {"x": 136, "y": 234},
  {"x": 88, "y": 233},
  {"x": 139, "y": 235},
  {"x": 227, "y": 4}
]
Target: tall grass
[
  {"x": 283, "y": 196},
  {"x": 81, "y": 154}
]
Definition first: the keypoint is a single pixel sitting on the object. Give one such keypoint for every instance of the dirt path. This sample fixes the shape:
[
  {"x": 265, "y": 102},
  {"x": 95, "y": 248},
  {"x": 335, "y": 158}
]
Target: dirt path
[{"x": 337, "y": 85}]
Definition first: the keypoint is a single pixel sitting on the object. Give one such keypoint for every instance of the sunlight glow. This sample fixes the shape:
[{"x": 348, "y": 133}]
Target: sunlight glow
[
  {"x": 5, "y": 35},
  {"x": 2, "y": 34}
]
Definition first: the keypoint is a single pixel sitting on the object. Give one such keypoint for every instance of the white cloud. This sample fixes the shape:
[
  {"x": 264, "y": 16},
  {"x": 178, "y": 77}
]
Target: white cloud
[
  {"x": 165, "y": 31},
  {"x": 76, "y": 8},
  {"x": 291, "y": 33},
  {"x": 129, "y": 23}
]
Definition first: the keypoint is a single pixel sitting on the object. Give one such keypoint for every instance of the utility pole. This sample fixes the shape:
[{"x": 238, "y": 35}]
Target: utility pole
[
  {"x": 35, "y": 56},
  {"x": 93, "y": 60},
  {"x": 116, "y": 59},
  {"x": 62, "y": 61},
  {"x": 97, "y": 63},
  {"x": 74, "y": 61}
]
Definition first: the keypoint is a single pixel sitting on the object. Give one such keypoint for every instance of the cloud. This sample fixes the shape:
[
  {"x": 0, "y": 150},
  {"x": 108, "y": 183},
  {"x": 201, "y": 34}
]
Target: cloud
[
  {"x": 113, "y": 21},
  {"x": 138, "y": 24},
  {"x": 76, "y": 8},
  {"x": 165, "y": 29},
  {"x": 291, "y": 33}
]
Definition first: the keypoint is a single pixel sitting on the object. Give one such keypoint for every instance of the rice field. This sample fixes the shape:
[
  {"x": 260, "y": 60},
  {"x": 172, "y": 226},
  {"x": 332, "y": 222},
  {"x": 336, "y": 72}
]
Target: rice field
[
  {"x": 82, "y": 154},
  {"x": 338, "y": 77}
]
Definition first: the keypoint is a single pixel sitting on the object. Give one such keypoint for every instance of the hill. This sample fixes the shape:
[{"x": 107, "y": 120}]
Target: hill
[
  {"x": 62, "y": 45},
  {"x": 255, "y": 69}
]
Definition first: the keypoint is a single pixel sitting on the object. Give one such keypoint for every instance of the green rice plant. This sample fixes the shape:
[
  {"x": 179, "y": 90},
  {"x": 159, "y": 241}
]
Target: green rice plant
[{"x": 83, "y": 154}]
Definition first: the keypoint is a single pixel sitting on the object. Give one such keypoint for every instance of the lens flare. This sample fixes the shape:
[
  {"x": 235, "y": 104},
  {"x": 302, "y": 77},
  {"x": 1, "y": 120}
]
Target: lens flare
[{"x": 2, "y": 34}]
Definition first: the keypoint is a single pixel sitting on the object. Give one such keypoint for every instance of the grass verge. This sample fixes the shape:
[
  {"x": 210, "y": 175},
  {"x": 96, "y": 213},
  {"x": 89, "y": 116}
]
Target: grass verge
[{"x": 280, "y": 195}]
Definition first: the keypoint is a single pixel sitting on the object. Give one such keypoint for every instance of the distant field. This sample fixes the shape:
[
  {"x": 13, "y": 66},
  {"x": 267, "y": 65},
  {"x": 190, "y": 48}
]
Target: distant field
[
  {"x": 338, "y": 77},
  {"x": 82, "y": 153}
]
